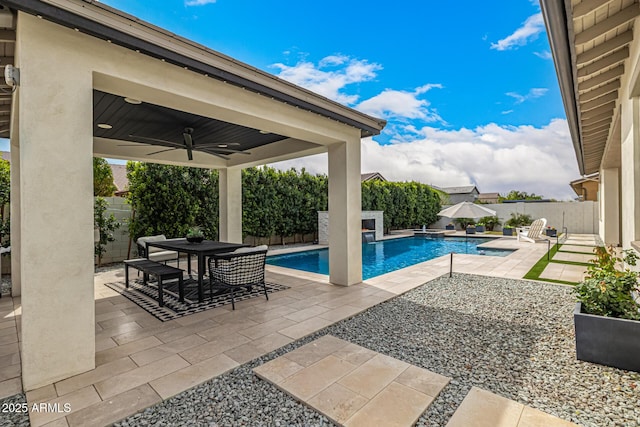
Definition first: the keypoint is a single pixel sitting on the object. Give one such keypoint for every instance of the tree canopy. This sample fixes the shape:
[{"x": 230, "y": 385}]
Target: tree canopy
[{"x": 103, "y": 185}]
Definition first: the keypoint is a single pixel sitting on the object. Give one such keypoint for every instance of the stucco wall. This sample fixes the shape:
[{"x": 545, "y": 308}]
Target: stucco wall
[
  {"x": 578, "y": 217},
  {"x": 323, "y": 224}
]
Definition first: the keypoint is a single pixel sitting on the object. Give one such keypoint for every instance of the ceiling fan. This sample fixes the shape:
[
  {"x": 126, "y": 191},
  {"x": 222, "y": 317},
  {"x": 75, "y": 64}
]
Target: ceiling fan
[{"x": 216, "y": 149}]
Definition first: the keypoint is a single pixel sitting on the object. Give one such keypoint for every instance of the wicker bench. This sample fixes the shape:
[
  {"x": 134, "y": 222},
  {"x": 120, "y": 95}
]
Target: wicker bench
[{"x": 161, "y": 271}]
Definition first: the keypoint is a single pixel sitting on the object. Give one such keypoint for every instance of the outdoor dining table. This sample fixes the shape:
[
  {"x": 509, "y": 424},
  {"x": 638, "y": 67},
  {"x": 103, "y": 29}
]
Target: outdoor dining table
[{"x": 201, "y": 250}]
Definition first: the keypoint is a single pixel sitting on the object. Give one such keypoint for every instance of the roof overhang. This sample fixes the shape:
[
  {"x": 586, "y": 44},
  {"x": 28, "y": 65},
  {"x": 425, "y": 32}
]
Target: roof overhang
[
  {"x": 590, "y": 46},
  {"x": 101, "y": 21}
]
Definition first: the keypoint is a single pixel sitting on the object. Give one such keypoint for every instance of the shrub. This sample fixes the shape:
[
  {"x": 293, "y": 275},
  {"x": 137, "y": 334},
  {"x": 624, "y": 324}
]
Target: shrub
[
  {"x": 464, "y": 222},
  {"x": 608, "y": 290},
  {"x": 490, "y": 222},
  {"x": 519, "y": 220}
]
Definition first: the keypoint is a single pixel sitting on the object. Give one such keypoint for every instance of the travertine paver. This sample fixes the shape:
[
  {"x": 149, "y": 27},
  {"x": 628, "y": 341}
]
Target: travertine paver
[
  {"x": 566, "y": 272},
  {"x": 569, "y": 256},
  {"x": 481, "y": 408},
  {"x": 352, "y": 385},
  {"x": 578, "y": 248}
]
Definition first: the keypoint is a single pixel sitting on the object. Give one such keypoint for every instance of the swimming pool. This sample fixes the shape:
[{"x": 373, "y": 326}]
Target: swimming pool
[{"x": 388, "y": 255}]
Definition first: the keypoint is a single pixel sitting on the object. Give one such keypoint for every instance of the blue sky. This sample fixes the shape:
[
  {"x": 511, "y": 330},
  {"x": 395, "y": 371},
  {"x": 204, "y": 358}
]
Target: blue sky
[{"x": 468, "y": 88}]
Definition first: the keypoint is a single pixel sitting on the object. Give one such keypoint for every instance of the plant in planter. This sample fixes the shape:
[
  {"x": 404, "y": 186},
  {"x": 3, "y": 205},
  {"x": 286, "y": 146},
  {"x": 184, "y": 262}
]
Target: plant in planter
[
  {"x": 607, "y": 317},
  {"x": 450, "y": 226},
  {"x": 480, "y": 227},
  {"x": 551, "y": 231},
  {"x": 195, "y": 234},
  {"x": 507, "y": 231},
  {"x": 490, "y": 222},
  {"x": 471, "y": 229}
]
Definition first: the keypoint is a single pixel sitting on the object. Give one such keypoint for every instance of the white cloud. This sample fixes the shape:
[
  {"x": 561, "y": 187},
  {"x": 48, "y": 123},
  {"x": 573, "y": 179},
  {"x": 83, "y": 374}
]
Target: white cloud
[
  {"x": 198, "y": 2},
  {"x": 401, "y": 104},
  {"x": 328, "y": 80},
  {"x": 495, "y": 158},
  {"x": 535, "y": 92},
  {"x": 544, "y": 54},
  {"x": 533, "y": 26}
]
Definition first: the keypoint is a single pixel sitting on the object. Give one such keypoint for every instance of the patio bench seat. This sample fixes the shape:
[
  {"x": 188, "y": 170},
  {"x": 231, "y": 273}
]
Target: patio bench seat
[{"x": 159, "y": 270}]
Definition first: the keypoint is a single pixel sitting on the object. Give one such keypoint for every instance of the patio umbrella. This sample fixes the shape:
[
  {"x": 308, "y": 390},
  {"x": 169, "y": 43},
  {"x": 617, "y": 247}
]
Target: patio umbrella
[{"x": 466, "y": 210}]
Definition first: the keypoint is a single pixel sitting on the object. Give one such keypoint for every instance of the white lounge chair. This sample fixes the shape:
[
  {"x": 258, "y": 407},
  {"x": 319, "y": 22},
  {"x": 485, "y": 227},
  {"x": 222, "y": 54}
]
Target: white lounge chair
[{"x": 533, "y": 232}]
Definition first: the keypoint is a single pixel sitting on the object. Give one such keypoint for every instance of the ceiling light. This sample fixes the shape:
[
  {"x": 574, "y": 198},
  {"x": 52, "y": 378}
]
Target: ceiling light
[
  {"x": 104, "y": 126},
  {"x": 222, "y": 145},
  {"x": 132, "y": 101},
  {"x": 264, "y": 132}
]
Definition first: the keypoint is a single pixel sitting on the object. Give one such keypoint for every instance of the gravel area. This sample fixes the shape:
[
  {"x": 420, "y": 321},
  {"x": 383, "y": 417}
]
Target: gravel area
[{"x": 511, "y": 337}]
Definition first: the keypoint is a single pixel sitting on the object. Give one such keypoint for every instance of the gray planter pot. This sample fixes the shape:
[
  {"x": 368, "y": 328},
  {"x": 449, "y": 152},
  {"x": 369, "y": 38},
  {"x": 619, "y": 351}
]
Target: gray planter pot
[
  {"x": 480, "y": 228},
  {"x": 507, "y": 231},
  {"x": 450, "y": 227},
  {"x": 471, "y": 230},
  {"x": 607, "y": 340}
]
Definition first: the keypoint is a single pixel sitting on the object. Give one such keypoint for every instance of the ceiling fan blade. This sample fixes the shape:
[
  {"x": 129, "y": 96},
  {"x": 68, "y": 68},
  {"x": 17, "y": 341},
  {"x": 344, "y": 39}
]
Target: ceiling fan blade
[
  {"x": 162, "y": 151},
  {"x": 164, "y": 141},
  {"x": 188, "y": 141}
]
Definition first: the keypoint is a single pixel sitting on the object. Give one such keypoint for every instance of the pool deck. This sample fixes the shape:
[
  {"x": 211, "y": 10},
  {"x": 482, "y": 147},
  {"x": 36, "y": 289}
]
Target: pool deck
[{"x": 141, "y": 361}]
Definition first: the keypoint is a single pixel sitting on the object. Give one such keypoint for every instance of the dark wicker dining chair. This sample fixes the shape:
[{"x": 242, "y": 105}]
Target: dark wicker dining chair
[{"x": 243, "y": 268}]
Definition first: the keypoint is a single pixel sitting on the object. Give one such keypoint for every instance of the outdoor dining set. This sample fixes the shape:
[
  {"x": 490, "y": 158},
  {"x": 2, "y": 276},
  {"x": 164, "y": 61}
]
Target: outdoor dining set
[{"x": 231, "y": 266}]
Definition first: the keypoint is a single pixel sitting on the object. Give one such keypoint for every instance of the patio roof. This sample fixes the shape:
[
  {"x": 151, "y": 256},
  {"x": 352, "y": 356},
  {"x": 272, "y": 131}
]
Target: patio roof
[{"x": 101, "y": 21}]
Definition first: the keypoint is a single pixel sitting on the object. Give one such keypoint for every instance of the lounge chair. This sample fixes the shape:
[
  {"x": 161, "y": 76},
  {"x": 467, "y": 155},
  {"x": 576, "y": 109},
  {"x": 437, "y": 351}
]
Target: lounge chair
[
  {"x": 242, "y": 268},
  {"x": 533, "y": 232}
]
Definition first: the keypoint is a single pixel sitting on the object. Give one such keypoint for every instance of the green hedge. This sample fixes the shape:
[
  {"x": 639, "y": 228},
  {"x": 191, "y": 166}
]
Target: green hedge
[{"x": 169, "y": 199}]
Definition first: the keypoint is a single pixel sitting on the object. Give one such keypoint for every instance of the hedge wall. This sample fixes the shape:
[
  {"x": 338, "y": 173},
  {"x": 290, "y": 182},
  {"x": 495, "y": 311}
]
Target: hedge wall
[{"x": 169, "y": 199}]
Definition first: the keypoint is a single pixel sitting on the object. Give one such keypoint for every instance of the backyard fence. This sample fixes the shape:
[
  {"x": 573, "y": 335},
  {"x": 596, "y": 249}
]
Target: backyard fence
[{"x": 578, "y": 217}]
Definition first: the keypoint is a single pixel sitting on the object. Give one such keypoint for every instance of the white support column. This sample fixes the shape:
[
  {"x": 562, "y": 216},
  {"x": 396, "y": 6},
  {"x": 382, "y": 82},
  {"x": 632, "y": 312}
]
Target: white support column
[
  {"x": 630, "y": 179},
  {"x": 345, "y": 223},
  {"x": 15, "y": 210},
  {"x": 230, "y": 229},
  {"x": 56, "y": 211},
  {"x": 610, "y": 206}
]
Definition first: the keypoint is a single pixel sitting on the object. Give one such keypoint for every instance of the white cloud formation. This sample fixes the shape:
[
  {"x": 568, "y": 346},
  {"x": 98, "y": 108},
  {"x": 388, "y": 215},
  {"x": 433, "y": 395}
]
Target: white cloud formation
[
  {"x": 544, "y": 54},
  {"x": 535, "y": 92},
  {"x": 495, "y": 158},
  {"x": 533, "y": 26},
  {"x": 401, "y": 104},
  {"x": 328, "y": 80},
  {"x": 198, "y": 2}
]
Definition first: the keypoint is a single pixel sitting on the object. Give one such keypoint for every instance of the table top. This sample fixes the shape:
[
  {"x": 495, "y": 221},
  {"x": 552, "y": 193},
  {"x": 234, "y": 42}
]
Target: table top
[{"x": 207, "y": 247}]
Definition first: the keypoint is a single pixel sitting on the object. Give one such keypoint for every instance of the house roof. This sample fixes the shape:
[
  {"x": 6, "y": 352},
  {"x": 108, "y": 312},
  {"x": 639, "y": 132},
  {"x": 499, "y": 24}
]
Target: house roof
[
  {"x": 488, "y": 195},
  {"x": 590, "y": 45},
  {"x": 120, "y": 177},
  {"x": 458, "y": 190},
  {"x": 371, "y": 176}
]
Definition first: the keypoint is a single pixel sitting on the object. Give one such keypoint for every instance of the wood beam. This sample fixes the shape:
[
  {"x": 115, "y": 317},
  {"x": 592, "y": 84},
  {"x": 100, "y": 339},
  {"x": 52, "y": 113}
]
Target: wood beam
[
  {"x": 595, "y": 128},
  {"x": 609, "y": 46},
  {"x": 587, "y": 6},
  {"x": 602, "y": 90},
  {"x": 605, "y": 62},
  {"x": 607, "y": 108},
  {"x": 606, "y": 118},
  {"x": 596, "y": 136},
  {"x": 601, "y": 78},
  {"x": 590, "y": 105},
  {"x": 7, "y": 36},
  {"x": 611, "y": 23},
  {"x": 4, "y": 60},
  {"x": 593, "y": 118}
]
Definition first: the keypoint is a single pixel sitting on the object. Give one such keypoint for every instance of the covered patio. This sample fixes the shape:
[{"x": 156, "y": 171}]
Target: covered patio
[{"x": 125, "y": 89}]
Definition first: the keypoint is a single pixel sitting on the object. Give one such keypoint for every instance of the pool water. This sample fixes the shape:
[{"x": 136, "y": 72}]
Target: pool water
[{"x": 388, "y": 255}]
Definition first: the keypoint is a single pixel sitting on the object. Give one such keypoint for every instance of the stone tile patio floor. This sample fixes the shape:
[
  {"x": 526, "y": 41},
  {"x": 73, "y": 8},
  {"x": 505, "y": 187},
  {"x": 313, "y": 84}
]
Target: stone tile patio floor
[{"x": 141, "y": 361}]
